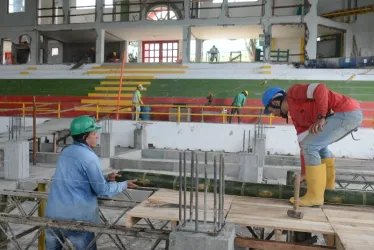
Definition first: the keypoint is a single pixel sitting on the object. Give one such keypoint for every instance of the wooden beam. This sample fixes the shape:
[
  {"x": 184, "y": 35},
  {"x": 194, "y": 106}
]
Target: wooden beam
[{"x": 276, "y": 245}]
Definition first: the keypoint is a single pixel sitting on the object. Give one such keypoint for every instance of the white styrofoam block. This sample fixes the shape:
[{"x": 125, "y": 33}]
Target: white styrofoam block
[{"x": 16, "y": 160}]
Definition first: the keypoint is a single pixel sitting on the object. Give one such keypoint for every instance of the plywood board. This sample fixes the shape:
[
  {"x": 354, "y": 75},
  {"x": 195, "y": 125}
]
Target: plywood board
[
  {"x": 354, "y": 226},
  {"x": 271, "y": 213},
  {"x": 163, "y": 205}
]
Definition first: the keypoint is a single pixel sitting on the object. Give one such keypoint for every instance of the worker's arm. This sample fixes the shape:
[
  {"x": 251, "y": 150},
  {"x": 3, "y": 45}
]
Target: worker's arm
[
  {"x": 315, "y": 91},
  {"x": 243, "y": 101},
  {"x": 98, "y": 182},
  {"x": 139, "y": 97}
]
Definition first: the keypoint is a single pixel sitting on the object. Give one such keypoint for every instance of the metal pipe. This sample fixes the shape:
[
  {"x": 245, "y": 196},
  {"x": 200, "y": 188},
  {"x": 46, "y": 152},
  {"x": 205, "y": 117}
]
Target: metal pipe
[
  {"x": 191, "y": 188},
  {"x": 215, "y": 195},
  {"x": 197, "y": 195},
  {"x": 205, "y": 193},
  {"x": 244, "y": 141},
  {"x": 34, "y": 130},
  {"x": 180, "y": 187},
  {"x": 184, "y": 188}
]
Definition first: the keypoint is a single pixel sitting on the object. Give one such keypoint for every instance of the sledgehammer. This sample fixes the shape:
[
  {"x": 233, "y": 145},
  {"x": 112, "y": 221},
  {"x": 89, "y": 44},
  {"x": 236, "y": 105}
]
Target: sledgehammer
[{"x": 295, "y": 213}]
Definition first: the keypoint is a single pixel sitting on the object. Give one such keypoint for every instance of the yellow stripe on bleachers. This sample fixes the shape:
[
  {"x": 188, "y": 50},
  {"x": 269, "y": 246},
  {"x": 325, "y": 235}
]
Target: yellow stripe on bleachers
[
  {"x": 123, "y": 83},
  {"x": 129, "y": 77},
  {"x": 108, "y": 95},
  {"x": 141, "y": 67},
  {"x": 108, "y": 72},
  {"x": 111, "y": 102},
  {"x": 116, "y": 88}
]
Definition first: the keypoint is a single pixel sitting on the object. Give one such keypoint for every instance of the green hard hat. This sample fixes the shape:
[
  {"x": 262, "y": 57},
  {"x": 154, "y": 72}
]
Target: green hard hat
[{"x": 83, "y": 124}]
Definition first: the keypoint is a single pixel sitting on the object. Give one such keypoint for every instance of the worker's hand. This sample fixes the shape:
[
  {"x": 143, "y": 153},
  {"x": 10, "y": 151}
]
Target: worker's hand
[
  {"x": 112, "y": 177},
  {"x": 317, "y": 126},
  {"x": 131, "y": 184}
]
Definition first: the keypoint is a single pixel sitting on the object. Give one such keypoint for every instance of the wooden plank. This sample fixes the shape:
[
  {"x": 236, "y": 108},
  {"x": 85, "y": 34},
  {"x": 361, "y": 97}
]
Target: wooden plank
[
  {"x": 354, "y": 226},
  {"x": 274, "y": 245},
  {"x": 271, "y": 213},
  {"x": 164, "y": 205}
]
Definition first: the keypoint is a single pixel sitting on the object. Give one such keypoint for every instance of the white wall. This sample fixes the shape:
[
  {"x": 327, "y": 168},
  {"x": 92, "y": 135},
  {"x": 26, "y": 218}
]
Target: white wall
[
  {"x": 363, "y": 29},
  {"x": 285, "y": 11},
  {"x": 4, "y": 122},
  {"x": 293, "y": 44},
  {"x": 229, "y": 137}
]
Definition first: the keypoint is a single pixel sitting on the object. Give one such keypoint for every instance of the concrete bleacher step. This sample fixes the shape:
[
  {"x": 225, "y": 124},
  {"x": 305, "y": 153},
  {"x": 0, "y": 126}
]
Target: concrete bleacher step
[
  {"x": 117, "y": 88},
  {"x": 110, "y": 102},
  {"x": 125, "y": 83},
  {"x": 108, "y": 95},
  {"x": 118, "y": 72},
  {"x": 129, "y": 77},
  {"x": 148, "y": 66},
  {"x": 101, "y": 109}
]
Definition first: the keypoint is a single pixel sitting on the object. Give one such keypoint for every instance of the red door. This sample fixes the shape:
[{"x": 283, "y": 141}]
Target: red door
[{"x": 160, "y": 51}]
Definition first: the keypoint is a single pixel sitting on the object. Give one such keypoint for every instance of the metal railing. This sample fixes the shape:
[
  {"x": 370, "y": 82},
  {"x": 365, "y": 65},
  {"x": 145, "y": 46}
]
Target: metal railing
[{"x": 175, "y": 111}]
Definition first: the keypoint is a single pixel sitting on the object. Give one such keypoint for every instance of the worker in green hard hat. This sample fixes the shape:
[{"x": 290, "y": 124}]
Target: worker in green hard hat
[
  {"x": 239, "y": 101},
  {"x": 76, "y": 184}
]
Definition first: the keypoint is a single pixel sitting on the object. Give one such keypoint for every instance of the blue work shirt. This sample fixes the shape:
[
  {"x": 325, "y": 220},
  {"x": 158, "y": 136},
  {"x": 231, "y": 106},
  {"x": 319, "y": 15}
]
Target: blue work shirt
[{"x": 77, "y": 183}]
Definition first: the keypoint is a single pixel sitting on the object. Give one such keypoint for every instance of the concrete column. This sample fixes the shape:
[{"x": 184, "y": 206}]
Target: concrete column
[
  {"x": 267, "y": 26},
  {"x": 143, "y": 10},
  {"x": 224, "y": 9},
  {"x": 268, "y": 9},
  {"x": 186, "y": 9},
  {"x": 311, "y": 40},
  {"x": 140, "y": 51},
  {"x": 66, "y": 11},
  {"x": 348, "y": 43},
  {"x": 199, "y": 50},
  {"x": 100, "y": 44},
  {"x": 140, "y": 138},
  {"x": 180, "y": 239},
  {"x": 260, "y": 150},
  {"x": 99, "y": 11},
  {"x": 34, "y": 48},
  {"x": 16, "y": 160},
  {"x": 122, "y": 48},
  {"x": 106, "y": 145},
  {"x": 249, "y": 168},
  {"x": 186, "y": 44}
]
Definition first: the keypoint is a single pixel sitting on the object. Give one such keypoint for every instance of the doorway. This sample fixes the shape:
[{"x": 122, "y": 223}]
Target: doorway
[{"x": 160, "y": 51}]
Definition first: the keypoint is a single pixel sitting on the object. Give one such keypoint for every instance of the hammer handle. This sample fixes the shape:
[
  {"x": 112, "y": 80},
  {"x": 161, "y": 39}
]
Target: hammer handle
[{"x": 296, "y": 192}]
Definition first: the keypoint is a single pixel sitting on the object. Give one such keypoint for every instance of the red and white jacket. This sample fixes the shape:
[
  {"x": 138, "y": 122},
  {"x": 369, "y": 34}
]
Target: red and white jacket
[{"x": 307, "y": 101}]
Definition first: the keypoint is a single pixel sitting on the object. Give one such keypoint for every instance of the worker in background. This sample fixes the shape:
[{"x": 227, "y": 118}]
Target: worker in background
[
  {"x": 213, "y": 53},
  {"x": 76, "y": 184},
  {"x": 239, "y": 101},
  {"x": 310, "y": 106},
  {"x": 210, "y": 99},
  {"x": 137, "y": 101},
  {"x": 112, "y": 57}
]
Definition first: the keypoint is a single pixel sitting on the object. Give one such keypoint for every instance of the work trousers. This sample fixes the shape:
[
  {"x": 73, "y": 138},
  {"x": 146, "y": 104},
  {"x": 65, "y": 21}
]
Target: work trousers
[
  {"x": 233, "y": 111},
  {"x": 78, "y": 239},
  {"x": 315, "y": 147}
]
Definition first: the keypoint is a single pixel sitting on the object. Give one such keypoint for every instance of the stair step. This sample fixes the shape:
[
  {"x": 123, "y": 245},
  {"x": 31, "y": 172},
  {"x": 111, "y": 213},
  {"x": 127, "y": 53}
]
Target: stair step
[
  {"x": 101, "y": 109},
  {"x": 123, "y": 83},
  {"x": 116, "y": 89},
  {"x": 127, "y": 66},
  {"x": 118, "y": 72},
  {"x": 130, "y": 77},
  {"x": 108, "y": 95},
  {"x": 112, "y": 102}
]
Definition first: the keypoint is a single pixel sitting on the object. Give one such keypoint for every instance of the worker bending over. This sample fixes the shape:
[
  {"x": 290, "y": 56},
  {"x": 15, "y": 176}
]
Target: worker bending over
[
  {"x": 311, "y": 106},
  {"x": 77, "y": 183},
  {"x": 136, "y": 102},
  {"x": 239, "y": 101}
]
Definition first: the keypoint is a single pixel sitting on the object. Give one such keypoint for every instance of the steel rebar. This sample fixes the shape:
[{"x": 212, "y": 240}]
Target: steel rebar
[
  {"x": 244, "y": 141},
  {"x": 206, "y": 158},
  {"x": 215, "y": 195},
  {"x": 219, "y": 191},
  {"x": 192, "y": 183},
  {"x": 197, "y": 195},
  {"x": 180, "y": 187},
  {"x": 205, "y": 193},
  {"x": 255, "y": 140},
  {"x": 249, "y": 140},
  {"x": 34, "y": 130},
  {"x": 223, "y": 190},
  {"x": 184, "y": 188}
]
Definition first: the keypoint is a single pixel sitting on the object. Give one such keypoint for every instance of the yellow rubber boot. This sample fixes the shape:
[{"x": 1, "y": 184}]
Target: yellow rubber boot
[
  {"x": 330, "y": 172},
  {"x": 316, "y": 182}
]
